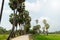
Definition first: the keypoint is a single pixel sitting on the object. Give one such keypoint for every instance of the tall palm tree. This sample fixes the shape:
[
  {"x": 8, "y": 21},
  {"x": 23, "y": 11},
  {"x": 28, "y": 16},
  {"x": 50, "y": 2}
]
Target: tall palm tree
[
  {"x": 1, "y": 9},
  {"x": 21, "y": 9},
  {"x": 37, "y": 27},
  {"x": 46, "y": 25},
  {"x": 27, "y": 20},
  {"x": 36, "y": 21},
  {"x": 16, "y": 5},
  {"x": 13, "y": 6},
  {"x": 11, "y": 20}
]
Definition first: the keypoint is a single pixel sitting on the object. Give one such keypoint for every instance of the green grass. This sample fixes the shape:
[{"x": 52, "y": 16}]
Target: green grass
[
  {"x": 44, "y": 37},
  {"x": 3, "y": 36}
]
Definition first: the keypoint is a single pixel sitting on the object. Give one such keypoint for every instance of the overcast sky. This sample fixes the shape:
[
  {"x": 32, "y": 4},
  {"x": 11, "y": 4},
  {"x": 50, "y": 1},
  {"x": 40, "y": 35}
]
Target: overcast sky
[{"x": 38, "y": 9}]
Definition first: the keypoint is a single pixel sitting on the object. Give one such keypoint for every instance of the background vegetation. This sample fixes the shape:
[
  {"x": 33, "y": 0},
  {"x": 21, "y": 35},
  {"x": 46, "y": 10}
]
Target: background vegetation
[{"x": 44, "y": 37}]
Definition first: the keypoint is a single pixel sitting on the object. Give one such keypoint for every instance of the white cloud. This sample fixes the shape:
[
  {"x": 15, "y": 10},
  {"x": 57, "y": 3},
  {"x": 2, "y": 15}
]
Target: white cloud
[
  {"x": 42, "y": 18},
  {"x": 6, "y": 0},
  {"x": 55, "y": 4},
  {"x": 44, "y": 1},
  {"x": 35, "y": 6}
]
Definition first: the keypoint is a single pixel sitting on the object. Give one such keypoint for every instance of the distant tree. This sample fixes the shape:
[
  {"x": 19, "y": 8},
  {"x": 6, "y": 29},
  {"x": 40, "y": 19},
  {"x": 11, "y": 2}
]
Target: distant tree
[
  {"x": 43, "y": 30},
  {"x": 2, "y": 30},
  {"x": 36, "y": 21},
  {"x": 46, "y": 25},
  {"x": 37, "y": 27}
]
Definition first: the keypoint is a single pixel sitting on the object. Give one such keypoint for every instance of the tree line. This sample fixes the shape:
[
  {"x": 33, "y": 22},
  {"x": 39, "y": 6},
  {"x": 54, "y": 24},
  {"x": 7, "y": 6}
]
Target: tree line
[
  {"x": 20, "y": 17},
  {"x": 37, "y": 27}
]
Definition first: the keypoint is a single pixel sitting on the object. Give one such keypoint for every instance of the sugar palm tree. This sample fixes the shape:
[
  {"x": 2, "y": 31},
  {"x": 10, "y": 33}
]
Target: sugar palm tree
[
  {"x": 13, "y": 6},
  {"x": 21, "y": 9},
  {"x": 27, "y": 24},
  {"x": 46, "y": 25},
  {"x": 1, "y": 10},
  {"x": 27, "y": 20},
  {"x": 11, "y": 20},
  {"x": 37, "y": 27},
  {"x": 20, "y": 21},
  {"x": 36, "y": 21}
]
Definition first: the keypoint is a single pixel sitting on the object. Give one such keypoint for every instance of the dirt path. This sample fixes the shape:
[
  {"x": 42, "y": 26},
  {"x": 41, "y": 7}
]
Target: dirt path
[{"x": 24, "y": 37}]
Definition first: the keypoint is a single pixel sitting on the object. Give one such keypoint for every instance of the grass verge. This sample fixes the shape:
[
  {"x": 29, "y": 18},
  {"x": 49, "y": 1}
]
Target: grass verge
[{"x": 45, "y": 37}]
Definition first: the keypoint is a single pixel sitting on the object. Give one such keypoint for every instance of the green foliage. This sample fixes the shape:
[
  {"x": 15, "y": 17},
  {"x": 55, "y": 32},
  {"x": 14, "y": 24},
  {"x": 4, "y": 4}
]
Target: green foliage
[
  {"x": 17, "y": 4},
  {"x": 31, "y": 31},
  {"x": 3, "y": 36},
  {"x": 11, "y": 19},
  {"x": 13, "y": 4},
  {"x": 44, "y": 37},
  {"x": 2, "y": 30},
  {"x": 46, "y": 24},
  {"x": 21, "y": 18},
  {"x": 36, "y": 29},
  {"x": 21, "y": 15},
  {"x": 44, "y": 21},
  {"x": 36, "y": 21},
  {"x": 20, "y": 1}
]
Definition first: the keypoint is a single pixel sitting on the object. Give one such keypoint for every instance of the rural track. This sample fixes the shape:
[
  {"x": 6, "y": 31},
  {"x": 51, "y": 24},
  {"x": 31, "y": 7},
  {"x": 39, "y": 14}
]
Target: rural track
[{"x": 23, "y": 37}]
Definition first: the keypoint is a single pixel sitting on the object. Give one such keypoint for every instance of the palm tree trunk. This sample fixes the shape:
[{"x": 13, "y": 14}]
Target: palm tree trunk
[
  {"x": 1, "y": 9},
  {"x": 12, "y": 32},
  {"x": 19, "y": 30},
  {"x": 46, "y": 31},
  {"x": 16, "y": 28},
  {"x": 15, "y": 20},
  {"x": 24, "y": 30}
]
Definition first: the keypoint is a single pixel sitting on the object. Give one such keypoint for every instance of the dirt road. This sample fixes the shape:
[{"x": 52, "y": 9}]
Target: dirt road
[{"x": 24, "y": 37}]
